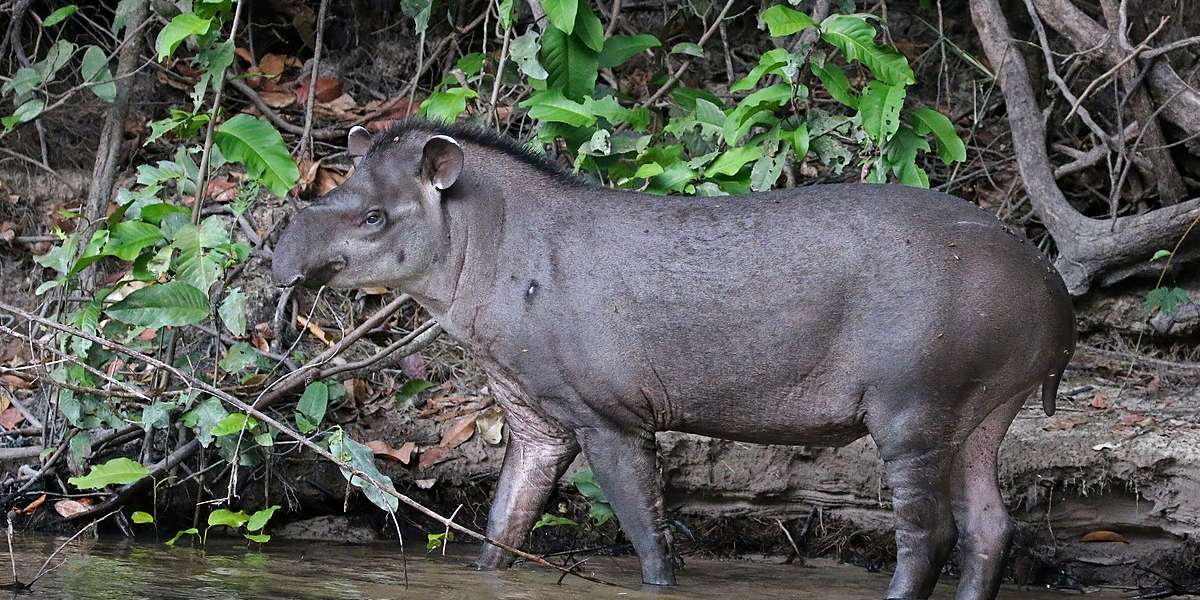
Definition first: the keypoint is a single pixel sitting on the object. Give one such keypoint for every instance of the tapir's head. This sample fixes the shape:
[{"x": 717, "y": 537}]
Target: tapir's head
[{"x": 384, "y": 225}]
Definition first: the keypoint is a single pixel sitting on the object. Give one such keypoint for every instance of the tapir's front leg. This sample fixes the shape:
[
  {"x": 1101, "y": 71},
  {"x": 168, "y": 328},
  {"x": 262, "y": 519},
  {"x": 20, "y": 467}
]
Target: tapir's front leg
[{"x": 538, "y": 453}]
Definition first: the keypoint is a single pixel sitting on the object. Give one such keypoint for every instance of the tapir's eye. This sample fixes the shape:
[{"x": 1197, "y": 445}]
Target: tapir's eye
[{"x": 373, "y": 218}]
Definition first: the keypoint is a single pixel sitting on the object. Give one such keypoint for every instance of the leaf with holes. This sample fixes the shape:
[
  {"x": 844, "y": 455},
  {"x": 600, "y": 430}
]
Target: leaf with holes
[
  {"x": 233, "y": 311},
  {"x": 524, "y": 52},
  {"x": 880, "y": 106}
]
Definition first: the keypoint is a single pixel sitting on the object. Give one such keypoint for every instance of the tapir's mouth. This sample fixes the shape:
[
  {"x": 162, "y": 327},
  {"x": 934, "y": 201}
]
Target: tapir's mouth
[{"x": 313, "y": 278}]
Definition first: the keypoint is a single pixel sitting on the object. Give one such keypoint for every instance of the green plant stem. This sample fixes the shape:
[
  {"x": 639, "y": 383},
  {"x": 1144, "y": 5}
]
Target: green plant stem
[
  {"x": 206, "y": 154},
  {"x": 284, "y": 429}
]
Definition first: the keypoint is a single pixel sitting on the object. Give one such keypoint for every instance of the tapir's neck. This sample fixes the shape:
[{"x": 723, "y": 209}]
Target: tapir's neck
[{"x": 475, "y": 213}]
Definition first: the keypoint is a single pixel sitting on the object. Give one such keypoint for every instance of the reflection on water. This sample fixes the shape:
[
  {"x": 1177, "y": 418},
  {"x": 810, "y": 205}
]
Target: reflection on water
[{"x": 118, "y": 569}]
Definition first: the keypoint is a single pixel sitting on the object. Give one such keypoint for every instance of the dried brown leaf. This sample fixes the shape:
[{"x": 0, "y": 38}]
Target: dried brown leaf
[
  {"x": 278, "y": 99},
  {"x": 490, "y": 424},
  {"x": 459, "y": 432},
  {"x": 1066, "y": 423},
  {"x": 10, "y": 418},
  {"x": 403, "y": 454},
  {"x": 1098, "y": 401},
  {"x": 314, "y": 328},
  {"x": 69, "y": 508},
  {"x": 430, "y": 457}
]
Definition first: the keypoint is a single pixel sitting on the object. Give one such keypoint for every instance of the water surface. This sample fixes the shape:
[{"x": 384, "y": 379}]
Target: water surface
[{"x": 120, "y": 569}]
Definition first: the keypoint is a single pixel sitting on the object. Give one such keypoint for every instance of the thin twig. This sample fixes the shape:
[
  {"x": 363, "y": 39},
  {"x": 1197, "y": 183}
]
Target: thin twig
[
  {"x": 303, "y": 152},
  {"x": 1142, "y": 47}
]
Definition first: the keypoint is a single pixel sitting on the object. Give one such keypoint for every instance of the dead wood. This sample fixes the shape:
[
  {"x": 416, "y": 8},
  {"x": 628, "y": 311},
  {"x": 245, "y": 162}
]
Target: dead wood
[{"x": 1087, "y": 247}]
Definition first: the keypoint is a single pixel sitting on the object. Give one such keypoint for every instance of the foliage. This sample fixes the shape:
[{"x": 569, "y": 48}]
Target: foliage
[
  {"x": 253, "y": 524},
  {"x": 599, "y": 509}
]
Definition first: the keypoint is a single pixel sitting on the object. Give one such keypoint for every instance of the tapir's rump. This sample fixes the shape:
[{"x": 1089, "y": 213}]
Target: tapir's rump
[{"x": 808, "y": 316}]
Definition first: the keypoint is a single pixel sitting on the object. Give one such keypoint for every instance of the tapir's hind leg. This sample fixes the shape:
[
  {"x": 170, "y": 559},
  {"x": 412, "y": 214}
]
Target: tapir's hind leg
[
  {"x": 918, "y": 459},
  {"x": 984, "y": 527}
]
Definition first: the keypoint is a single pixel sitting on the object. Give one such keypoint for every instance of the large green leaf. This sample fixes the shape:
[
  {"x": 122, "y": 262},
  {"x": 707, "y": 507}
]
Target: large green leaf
[
  {"x": 257, "y": 145},
  {"x": 227, "y": 518},
  {"x": 855, "y": 37},
  {"x": 118, "y": 471},
  {"x": 770, "y": 62},
  {"x": 313, "y": 403},
  {"x": 197, "y": 264},
  {"x": 880, "y": 106},
  {"x": 446, "y": 105},
  {"x": 742, "y": 118},
  {"x": 362, "y": 458},
  {"x": 835, "y": 81},
  {"x": 588, "y": 27},
  {"x": 782, "y": 20},
  {"x": 259, "y": 519},
  {"x": 95, "y": 71},
  {"x": 127, "y": 239},
  {"x": 570, "y": 64},
  {"x": 551, "y": 106},
  {"x": 618, "y": 48},
  {"x": 174, "y": 303},
  {"x": 901, "y": 157},
  {"x": 59, "y": 15},
  {"x": 233, "y": 311},
  {"x": 181, "y": 27},
  {"x": 732, "y": 161},
  {"x": 950, "y": 146},
  {"x": 561, "y": 14}
]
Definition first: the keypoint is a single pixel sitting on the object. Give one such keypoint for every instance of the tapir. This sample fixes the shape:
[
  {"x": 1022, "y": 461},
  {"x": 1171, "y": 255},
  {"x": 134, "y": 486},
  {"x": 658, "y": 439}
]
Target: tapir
[{"x": 813, "y": 316}]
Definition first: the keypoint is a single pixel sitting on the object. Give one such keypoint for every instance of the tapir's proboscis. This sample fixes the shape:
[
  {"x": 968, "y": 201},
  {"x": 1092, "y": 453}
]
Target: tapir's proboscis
[{"x": 814, "y": 316}]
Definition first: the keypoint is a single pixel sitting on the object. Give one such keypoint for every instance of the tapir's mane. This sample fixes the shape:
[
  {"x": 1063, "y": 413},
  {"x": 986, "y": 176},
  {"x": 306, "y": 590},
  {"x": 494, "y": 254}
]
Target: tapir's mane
[{"x": 478, "y": 136}]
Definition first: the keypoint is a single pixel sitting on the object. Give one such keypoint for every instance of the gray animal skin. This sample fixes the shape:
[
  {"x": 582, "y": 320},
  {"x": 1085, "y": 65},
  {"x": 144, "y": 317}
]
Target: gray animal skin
[{"x": 808, "y": 316}]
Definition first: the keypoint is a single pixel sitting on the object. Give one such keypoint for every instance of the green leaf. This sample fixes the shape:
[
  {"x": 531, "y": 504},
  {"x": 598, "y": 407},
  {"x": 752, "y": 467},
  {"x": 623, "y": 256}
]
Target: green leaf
[
  {"x": 835, "y": 81},
  {"x": 181, "y": 27},
  {"x": 570, "y": 64},
  {"x": 506, "y": 13},
  {"x": 91, "y": 252},
  {"x": 233, "y": 312},
  {"x": 127, "y": 239},
  {"x": 770, "y": 62},
  {"x": 551, "y": 106},
  {"x": 1161, "y": 254},
  {"x": 157, "y": 415},
  {"x": 419, "y": 10},
  {"x": 648, "y": 170},
  {"x": 59, "y": 15},
  {"x": 159, "y": 305},
  {"x": 259, "y": 519},
  {"x": 234, "y": 423},
  {"x": 227, "y": 518},
  {"x": 855, "y": 37},
  {"x": 549, "y": 520},
  {"x": 118, "y": 471},
  {"x": 141, "y": 517},
  {"x": 732, "y": 161},
  {"x": 585, "y": 482},
  {"x": 588, "y": 28},
  {"x": 561, "y": 14},
  {"x": 600, "y": 512},
  {"x": 950, "y": 146},
  {"x": 257, "y": 145},
  {"x": 313, "y": 404},
  {"x": 204, "y": 418},
  {"x": 446, "y": 105},
  {"x": 1166, "y": 300},
  {"x": 766, "y": 172},
  {"x": 524, "y": 52},
  {"x": 261, "y": 538},
  {"x": 782, "y": 20},
  {"x": 347, "y": 449},
  {"x": 22, "y": 82},
  {"x": 880, "y": 108},
  {"x": 799, "y": 139},
  {"x": 901, "y": 157},
  {"x": 619, "y": 48},
  {"x": 56, "y": 57},
  {"x": 688, "y": 48},
  {"x": 741, "y": 118},
  {"x": 188, "y": 531},
  {"x": 240, "y": 356},
  {"x": 411, "y": 388},
  {"x": 27, "y": 111},
  {"x": 96, "y": 72}
]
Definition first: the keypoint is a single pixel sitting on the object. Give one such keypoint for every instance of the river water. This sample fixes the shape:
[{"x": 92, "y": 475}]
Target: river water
[{"x": 119, "y": 569}]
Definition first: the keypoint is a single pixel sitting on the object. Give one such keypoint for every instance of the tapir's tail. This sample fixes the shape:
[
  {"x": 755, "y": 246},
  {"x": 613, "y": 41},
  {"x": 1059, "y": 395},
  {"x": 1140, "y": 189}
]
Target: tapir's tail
[{"x": 1051, "y": 382}]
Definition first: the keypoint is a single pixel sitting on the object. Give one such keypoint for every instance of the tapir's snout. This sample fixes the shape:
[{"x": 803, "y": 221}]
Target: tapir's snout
[{"x": 299, "y": 260}]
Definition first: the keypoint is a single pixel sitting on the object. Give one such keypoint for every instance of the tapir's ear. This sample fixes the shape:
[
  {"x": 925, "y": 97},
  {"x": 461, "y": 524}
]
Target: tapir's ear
[
  {"x": 358, "y": 143},
  {"x": 442, "y": 161}
]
